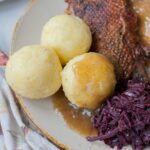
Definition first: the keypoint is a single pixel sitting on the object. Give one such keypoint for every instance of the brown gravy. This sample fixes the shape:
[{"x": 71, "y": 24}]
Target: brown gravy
[{"x": 77, "y": 119}]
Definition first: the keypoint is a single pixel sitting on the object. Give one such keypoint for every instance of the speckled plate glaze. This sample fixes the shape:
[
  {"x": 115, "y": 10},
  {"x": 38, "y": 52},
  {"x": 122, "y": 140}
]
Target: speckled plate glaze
[{"x": 42, "y": 112}]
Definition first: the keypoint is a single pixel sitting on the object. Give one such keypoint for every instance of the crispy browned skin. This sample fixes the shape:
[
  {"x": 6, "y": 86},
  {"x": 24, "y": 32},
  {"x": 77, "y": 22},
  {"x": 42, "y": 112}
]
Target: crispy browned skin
[{"x": 114, "y": 26}]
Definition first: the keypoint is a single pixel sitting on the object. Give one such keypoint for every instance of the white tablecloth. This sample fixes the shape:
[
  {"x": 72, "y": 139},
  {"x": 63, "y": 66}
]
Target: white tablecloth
[{"x": 10, "y": 11}]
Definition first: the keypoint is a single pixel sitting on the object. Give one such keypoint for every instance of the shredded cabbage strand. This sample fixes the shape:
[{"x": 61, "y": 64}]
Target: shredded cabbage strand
[{"x": 125, "y": 119}]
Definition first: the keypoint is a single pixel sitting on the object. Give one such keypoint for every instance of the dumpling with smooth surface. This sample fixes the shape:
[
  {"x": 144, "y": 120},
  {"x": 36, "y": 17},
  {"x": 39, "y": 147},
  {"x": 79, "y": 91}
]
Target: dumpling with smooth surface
[
  {"x": 34, "y": 72},
  {"x": 88, "y": 80},
  {"x": 68, "y": 35}
]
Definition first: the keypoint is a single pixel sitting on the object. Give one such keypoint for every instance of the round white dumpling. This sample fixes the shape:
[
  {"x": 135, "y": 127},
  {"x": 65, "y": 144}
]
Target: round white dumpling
[
  {"x": 68, "y": 35},
  {"x": 34, "y": 72},
  {"x": 88, "y": 80}
]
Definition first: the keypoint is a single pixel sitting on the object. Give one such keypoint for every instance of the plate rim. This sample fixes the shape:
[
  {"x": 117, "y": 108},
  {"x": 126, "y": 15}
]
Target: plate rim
[{"x": 19, "y": 99}]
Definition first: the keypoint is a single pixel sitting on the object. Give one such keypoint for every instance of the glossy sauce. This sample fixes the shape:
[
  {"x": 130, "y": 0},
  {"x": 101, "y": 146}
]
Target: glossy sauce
[
  {"x": 142, "y": 8},
  {"x": 77, "y": 119}
]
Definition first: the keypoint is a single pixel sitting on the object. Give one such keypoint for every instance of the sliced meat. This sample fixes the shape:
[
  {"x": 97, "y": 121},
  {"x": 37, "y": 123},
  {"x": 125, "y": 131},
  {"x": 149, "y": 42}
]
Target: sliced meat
[{"x": 113, "y": 24}]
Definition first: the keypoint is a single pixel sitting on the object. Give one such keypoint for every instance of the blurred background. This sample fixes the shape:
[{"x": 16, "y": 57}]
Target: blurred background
[{"x": 10, "y": 11}]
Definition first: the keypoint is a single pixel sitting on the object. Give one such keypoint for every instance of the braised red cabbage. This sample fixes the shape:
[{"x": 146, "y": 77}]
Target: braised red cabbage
[{"x": 125, "y": 119}]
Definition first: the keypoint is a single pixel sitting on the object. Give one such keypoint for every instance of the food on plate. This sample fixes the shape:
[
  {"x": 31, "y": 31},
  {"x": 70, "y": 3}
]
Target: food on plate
[
  {"x": 114, "y": 29},
  {"x": 72, "y": 115},
  {"x": 88, "y": 80},
  {"x": 68, "y": 35},
  {"x": 34, "y": 72},
  {"x": 143, "y": 11},
  {"x": 125, "y": 119}
]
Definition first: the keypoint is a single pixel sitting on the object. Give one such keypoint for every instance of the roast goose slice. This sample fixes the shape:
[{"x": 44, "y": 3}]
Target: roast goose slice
[{"x": 113, "y": 24}]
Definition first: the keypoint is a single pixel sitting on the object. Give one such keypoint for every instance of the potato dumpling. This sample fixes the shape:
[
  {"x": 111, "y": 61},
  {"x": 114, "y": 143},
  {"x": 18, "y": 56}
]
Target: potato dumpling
[
  {"x": 68, "y": 35},
  {"x": 88, "y": 80},
  {"x": 34, "y": 72}
]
